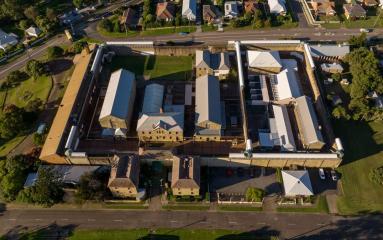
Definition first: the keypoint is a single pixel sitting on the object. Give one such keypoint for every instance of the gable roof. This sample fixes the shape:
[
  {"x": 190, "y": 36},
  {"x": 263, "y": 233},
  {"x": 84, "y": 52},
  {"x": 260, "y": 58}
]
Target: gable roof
[
  {"x": 283, "y": 128},
  {"x": 120, "y": 89},
  {"x": 277, "y": 6},
  {"x": 250, "y": 6},
  {"x": 329, "y": 50},
  {"x": 208, "y": 102},
  {"x": 286, "y": 81},
  {"x": 7, "y": 39},
  {"x": 186, "y": 172},
  {"x": 165, "y": 10},
  {"x": 124, "y": 172},
  {"x": 129, "y": 17},
  {"x": 33, "y": 31},
  {"x": 210, "y": 11},
  {"x": 263, "y": 59},
  {"x": 215, "y": 61},
  {"x": 354, "y": 10},
  {"x": 153, "y": 98},
  {"x": 189, "y": 9},
  {"x": 308, "y": 120},
  {"x": 297, "y": 183}
]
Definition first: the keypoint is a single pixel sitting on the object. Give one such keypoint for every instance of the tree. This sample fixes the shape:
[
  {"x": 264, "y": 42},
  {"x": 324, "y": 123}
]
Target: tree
[
  {"x": 13, "y": 174},
  {"x": 35, "y": 68},
  {"x": 376, "y": 175},
  {"x": 47, "y": 189},
  {"x": 116, "y": 27},
  {"x": 38, "y": 139},
  {"x": 31, "y": 13},
  {"x": 23, "y": 24},
  {"x": 51, "y": 15},
  {"x": 34, "y": 105},
  {"x": 44, "y": 24},
  {"x": 92, "y": 186},
  {"x": 106, "y": 25},
  {"x": 78, "y": 3},
  {"x": 79, "y": 46},
  {"x": 11, "y": 122},
  {"x": 359, "y": 41},
  {"x": 254, "y": 194},
  {"x": 340, "y": 112},
  {"x": 55, "y": 52},
  {"x": 178, "y": 20},
  {"x": 336, "y": 76},
  {"x": 16, "y": 77}
]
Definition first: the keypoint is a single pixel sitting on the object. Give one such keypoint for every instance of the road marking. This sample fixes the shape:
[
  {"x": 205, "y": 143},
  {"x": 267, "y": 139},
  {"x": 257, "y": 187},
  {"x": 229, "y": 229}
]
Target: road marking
[
  {"x": 261, "y": 223},
  {"x": 12, "y": 219},
  {"x": 321, "y": 224},
  {"x": 232, "y": 222},
  {"x": 64, "y": 219},
  {"x": 291, "y": 224},
  {"x": 38, "y": 219},
  {"x": 91, "y": 220},
  {"x": 204, "y": 222},
  {"x": 173, "y": 221},
  {"x": 117, "y": 220}
]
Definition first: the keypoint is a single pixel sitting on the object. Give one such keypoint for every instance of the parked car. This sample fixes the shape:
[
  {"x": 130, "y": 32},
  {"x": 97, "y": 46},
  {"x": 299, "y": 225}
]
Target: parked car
[
  {"x": 364, "y": 30},
  {"x": 321, "y": 174},
  {"x": 183, "y": 33},
  {"x": 334, "y": 176}
]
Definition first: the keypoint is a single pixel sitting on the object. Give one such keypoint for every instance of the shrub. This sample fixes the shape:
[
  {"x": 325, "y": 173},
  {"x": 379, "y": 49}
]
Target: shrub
[
  {"x": 254, "y": 194},
  {"x": 376, "y": 175},
  {"x": 55, "y": 52}
]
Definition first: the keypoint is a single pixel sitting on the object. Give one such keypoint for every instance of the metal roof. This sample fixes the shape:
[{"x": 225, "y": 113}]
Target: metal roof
[
  {"x": 286, "y": 81},
  {"x": 153, "y": 98},
  {"x": 277, "y": 6},
  {"x": 329, "y": 50},
  {"x": 283, "y": 129},
  {"x": 189, "y": 9},
  {"x": 263, "y": 59},
  {"x": 121, "y": 88},
  {"x": 308, "y": 121},
  {"x": 208, "y": 100},
  {"x": 297, "y": 183},
  {"x": 170, "y": 121}
]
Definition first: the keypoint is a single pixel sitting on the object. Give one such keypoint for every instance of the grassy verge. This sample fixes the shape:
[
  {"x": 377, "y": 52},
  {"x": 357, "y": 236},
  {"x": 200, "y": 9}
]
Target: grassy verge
[
  {"x": 186, "y": 207},
  {"x": 166, "y": 31},
  {"x": 238, "y": 208},
  {"x": 320, "y": 207},
  {"x": 125, "y": 206},
  {"x": 169, "y": 234},
  {"x": 6, "y": 147},
  {"x": 160, "y": 67},
  {"x": 208, "y": 28},
  {"x": 363, "y": 152}
]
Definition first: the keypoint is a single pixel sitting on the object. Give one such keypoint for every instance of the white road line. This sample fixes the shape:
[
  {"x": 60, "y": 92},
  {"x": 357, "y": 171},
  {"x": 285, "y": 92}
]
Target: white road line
[
  {"x": 321, "y": 224},
  {"x": 38, "y": 219},
  {"x": 291, "y": 224},
  {"x": 117, "y": 220},
  {"x": 261, "y": 223},
  {"x": 91, "y": 220},
  {"x": 232, "y": 222},
  {"x": 173, "y": 221},
  {"x": 12, "y": 219},
  {"x": 64, "y": 219},
  {"x": 204, "y": 222}
]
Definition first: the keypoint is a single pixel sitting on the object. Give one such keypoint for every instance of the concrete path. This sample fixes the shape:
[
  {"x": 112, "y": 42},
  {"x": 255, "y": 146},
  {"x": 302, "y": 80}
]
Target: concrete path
[{"x": 331, "y": 202}]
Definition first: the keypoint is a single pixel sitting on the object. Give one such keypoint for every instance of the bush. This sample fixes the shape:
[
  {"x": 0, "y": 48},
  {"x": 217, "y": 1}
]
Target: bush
[
  {"x": 79, "y": 46},
  {"x": 106, "y": 25},
  {"x": 254, "y": 194},
  {"x": 55, "y": 52},
  {"x": 38, "y": 139},
  {"x": 376, "y": 175},
  {"x": 92, "y": 186}
]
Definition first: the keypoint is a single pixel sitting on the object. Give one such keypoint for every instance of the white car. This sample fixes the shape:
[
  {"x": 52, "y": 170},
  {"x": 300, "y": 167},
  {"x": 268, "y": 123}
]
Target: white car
[
  {"x": 334, "y": 176},
  {"x": 364, "y": 30},
  {"x": 321, "y": 174}
]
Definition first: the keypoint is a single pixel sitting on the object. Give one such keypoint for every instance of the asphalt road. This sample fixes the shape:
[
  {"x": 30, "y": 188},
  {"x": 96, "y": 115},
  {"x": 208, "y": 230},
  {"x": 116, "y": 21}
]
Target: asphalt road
[{"x": 287, "y": 226}]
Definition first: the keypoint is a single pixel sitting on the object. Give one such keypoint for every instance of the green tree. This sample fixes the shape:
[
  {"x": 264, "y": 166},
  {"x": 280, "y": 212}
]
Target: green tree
[
  {"x": 92, "y": 186},
  {"x": 34, "y": 105},
  {"x": 44, "y": 24},
  {"x": 336, "y": 76},
  {"x": 38, "y": 139},
  {"x": 16, "y": 77},
  {"x": 376, "y": 175},
  {"x": 78, "y": 3},
  {"x": 51, "y": 14},
  {"x": 55, "y": 52},
  {"x": 106, "y": 25},
  {"x": 358, "y": 41},
  {"x": 34, "y": 68},
  {"x": 11, "y": 122},
  {"x": 23, "y": 24},
  {"x": 340, "y": 112},
  {"x": 31, "y": 13},
  {"x": 79, "y": 46},
  {"x": 116, "y": 27},
  {"x": 254, "y": 194}
]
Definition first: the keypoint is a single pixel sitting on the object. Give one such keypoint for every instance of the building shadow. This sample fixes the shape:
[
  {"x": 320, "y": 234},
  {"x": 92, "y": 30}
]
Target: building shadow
[
  {"x": 261, "y": 233},
  {"x": 159, "y": 237},
  {"x": 58, "y": 66},
  {"x": 51, "y": 231},
  {"x": 369, "y": 226}
]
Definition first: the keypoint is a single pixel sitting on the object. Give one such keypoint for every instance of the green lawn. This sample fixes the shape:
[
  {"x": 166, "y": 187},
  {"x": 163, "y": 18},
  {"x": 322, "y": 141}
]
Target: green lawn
[
  {"x": 166, "y": 31},
  {"x": 186, "y": 207},
  {"x": 156, "y": 67},
  {"x": 125, "y": 206},
  {"x": 28, "y": 90},
  {"x": 239, "y": 208},
  {"x": 168, "y": 234},
  {"x": 320, "y": 207},
  {"x": 6, "y": 147},
  {"x": 363, "y": 143}
]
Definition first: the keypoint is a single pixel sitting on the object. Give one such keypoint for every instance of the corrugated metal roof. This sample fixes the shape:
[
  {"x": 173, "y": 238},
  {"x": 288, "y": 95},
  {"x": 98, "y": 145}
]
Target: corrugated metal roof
[
  {"x": 153, "y": 98},
  {"x": 287, "y": 82},
  {"x": 121, "y": 88},
  {"x": 329, "y": 50},
  {"x": 208, "y": 99},
  {"x": 308, "y": 121},
  {"x": 283, "y": 127},
  {"x": 263, "y": 59}
]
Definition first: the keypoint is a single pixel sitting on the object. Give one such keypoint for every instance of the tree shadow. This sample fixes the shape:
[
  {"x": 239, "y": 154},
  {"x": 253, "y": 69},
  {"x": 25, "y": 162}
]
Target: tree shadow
[
  {"x": 51, "y": 231},
  {"x": 58, "y": 66},
  {"x": 365, "y": 227},
  {"x": 151, "y": 236},
  {"x": 261, "y": 233},
  {"x": 357, "y": 139}
]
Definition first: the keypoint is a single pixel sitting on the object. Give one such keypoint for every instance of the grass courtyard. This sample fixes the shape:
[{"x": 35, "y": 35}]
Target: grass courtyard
[
  {"x": 363, "y": 143},
  {"x": 168, "y": 234},
  {"x": 156, "y": 67}
]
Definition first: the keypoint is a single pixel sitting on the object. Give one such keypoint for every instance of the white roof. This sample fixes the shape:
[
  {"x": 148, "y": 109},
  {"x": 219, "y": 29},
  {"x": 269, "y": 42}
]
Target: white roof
[
  {"x": 283, "y": 129},
  {"x": 277, "y": 6},
  {"x": 231, "y": 8},
  {"x": 7, "y": 39},
  {"x": 189, "y": 9},
  {"x": 121, "y": 88},
  {"x": 170, "y": 121},
  {"x": 263, "y": 59},
  {"x": 33, "y": 31},
  {"x": 207, "y": 107},
  {"x": 153, "y": 98},
  {"x": 297, "y": 183},
  {"x": 286, "y": 81}
]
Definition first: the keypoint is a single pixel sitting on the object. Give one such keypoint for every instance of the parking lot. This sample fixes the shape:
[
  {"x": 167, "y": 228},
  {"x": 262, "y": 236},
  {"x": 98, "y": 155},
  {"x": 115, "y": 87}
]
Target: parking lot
[
  {"x": 235, "y": 181},
  {"x": 322, "y": 186}
]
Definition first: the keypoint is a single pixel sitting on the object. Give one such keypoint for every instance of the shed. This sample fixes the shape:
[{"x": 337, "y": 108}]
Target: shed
[{"x": 153, "y": 98}]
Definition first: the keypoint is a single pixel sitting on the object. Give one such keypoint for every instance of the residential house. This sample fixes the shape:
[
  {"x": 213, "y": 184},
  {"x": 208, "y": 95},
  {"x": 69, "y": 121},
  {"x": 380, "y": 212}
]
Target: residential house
[
  {"x": 216, "y": 64},
  {"x": 231, "y": 9},
  {"x": 208, "y": 121},
  {"x": 324, "y": 7},
  {"x": 277, "y": 7},
  {"x": 264, "y": 61},
  {"x": 118, "y": 104},
  {"x": 124, "y": 176},
  {"x": 210, "y": 13},
  {"x": 354, "y": 11},
  {"x": 7, "y": 40},
  {"x": 189, "y": 9},
  {"x": 130, "y": 19},
  {"x": 165, "y": 11},
  {"x": 70, "y": 17},
  {"x": 370, "y": 3},
  {"x": 33, "y": 32},
  {"x": 186, "y": 176},
  {"x": 250, "y": 6},
  {"x": 381, "y": 4},
  {"x": 309, "y": 129}
]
